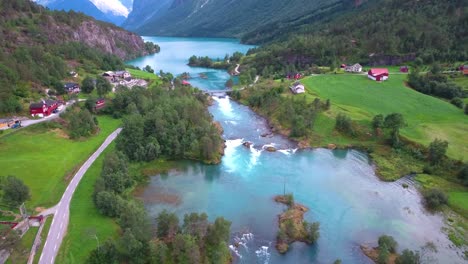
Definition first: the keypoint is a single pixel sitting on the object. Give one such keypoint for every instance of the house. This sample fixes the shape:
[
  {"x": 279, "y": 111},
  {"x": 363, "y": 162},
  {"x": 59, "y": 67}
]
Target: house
[
  {"x": 108, "y": 74},
  {"x": 72, "y": 87},
  {"x": 73, "y": 74},
  {"x": 353, "y": 68},
  {"x": 295, "y": 76},
  {"x": 43, "y": 108},
  {"x": 404, "y": 69},
  {"x": 297, "y": 88},
  {"x": 123, "y": 74},
  {"x": 343, "y": 66},
  {"x": 464, "y": 69},
  {"x": 378, "y": 74},
  {"x": 185, "y": 83},
  {"x": 100, "y": 103}
]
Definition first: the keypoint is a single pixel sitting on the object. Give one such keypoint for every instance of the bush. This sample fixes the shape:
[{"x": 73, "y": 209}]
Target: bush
[
  {"x": 434, "y": 199},
  {"x": 344, "y": 124},
  {"x": 388, "y": 242},
  {"x": 312, "y": 231},
  {"x": 463, "y": 174},
  {"x": 437, "y": 150},
  {"x": 15, "y": 192},
  {"x": 384, "y": 254},
  {"x": 457, "y": 102},
  {"x": 408, "y": 257}
]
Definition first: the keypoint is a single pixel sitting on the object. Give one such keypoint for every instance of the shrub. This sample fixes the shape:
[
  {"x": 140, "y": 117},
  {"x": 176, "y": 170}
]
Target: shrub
[
  {"x": 388, "y": 242},
  {"x": 312, "y": 231},
  {"x": 384, "y": 254},
  {"x": 437, "y": 150},
  {"x": 408, "y": 257},
  {"x": 463, "y": 174},
  {"x": 456, "y": 101},
  {"x": 344, "y": 124},
  {"x": 435, "y": 198}
]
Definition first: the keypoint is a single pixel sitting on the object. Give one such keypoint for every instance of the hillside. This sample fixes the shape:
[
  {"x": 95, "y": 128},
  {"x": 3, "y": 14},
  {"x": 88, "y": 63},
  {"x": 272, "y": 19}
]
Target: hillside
[
  {"x": 39, "y": 47},
  {"x": 219, "y": 18},
  {"x": 377, "y": 33}
]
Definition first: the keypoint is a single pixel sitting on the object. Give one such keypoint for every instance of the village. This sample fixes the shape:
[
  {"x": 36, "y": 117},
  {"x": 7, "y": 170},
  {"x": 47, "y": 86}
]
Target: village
[{"x": 51, "y": 106}]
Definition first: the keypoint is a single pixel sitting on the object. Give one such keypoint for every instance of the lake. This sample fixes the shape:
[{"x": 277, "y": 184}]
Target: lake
[{"x": 339, "y": 187}]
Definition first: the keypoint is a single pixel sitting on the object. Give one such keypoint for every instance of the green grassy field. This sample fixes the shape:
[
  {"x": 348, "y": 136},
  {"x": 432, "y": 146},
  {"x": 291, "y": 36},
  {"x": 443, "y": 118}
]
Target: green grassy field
[
  {"x": 87, "y": 226},
  {"x": 142, "y": 74},
  {"x": 427, "y": 117},
  {"x": 43, "y": 159}
]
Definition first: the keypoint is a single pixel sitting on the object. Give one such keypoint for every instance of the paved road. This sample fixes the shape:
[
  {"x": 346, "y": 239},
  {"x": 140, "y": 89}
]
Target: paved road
[
  {"x": 62, "y": 210},
  {"x": 28, "y": 122}
]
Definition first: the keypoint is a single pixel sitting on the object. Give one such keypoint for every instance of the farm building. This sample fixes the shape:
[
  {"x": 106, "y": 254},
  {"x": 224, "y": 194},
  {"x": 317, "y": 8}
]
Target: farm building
[
  {"x": 464, "y": 69},
  {"x": 100, "y": 103},
  {"x": 378, "y": 74},
  {"x": 123, "y": 74},
  {"x": 297, "y": 88},
  {"x": 72, "y": 87},
  {"x": 404, "y": 69},
  {"x": 353, "y": 68},
  {"x": 43, "y": 108}
]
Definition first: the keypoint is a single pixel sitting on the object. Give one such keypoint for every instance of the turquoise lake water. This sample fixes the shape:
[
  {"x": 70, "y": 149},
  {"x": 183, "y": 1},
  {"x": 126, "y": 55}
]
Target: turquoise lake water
[{"x": 339, "y": 187}]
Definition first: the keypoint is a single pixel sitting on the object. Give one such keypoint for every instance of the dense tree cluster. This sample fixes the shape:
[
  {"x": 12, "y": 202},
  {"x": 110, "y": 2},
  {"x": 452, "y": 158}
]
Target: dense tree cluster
[
  {"x": 291, "y": 112},
  {"x": 379, "y": 32},
  {"x": 80, "y": 122},
  {"x": 435, "y": 199},
  {"x": 172, "y": 124},
  {"x": 436, "y": 84}
]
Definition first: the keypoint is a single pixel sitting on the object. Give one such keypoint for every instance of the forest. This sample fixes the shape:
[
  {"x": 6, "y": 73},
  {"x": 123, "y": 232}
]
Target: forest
[{"x": 376, "y": 33}]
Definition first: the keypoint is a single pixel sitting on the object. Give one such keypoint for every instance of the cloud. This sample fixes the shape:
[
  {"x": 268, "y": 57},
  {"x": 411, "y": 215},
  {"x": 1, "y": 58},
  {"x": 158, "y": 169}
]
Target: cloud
[{"x": 111, "y": 6}]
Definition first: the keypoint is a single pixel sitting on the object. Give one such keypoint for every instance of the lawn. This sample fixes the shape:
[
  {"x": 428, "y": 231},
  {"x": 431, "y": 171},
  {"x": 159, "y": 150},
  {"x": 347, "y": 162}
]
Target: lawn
[
  {"x": 142, "y": 74},
  {"x": 87, "y": 226},
  {"x": 21, "y": 253},
  {"x": 427, "y": 117},
  {"x": 44, "y": 158}
]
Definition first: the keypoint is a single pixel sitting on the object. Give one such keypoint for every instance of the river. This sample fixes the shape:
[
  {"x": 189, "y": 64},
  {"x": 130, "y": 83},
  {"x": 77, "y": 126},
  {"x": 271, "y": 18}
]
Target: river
[{"x": 339, "y": 187}]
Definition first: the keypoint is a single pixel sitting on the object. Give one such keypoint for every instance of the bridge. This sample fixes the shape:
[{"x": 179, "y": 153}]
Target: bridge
[{"x": 217, "y": 92}]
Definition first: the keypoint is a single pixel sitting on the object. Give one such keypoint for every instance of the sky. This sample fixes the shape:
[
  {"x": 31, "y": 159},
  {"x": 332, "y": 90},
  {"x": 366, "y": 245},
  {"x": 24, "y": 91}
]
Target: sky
[{"x": 116, "y": 7}]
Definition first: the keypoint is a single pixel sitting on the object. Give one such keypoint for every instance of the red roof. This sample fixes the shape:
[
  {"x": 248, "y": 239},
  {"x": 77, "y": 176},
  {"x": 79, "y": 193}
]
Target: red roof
[
  {"x": 378, "y": 71},
  {"x": 184, "y": 82}
]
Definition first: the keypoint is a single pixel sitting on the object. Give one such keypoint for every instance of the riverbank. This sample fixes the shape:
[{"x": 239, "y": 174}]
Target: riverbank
[{"x": 390, "y": 164}]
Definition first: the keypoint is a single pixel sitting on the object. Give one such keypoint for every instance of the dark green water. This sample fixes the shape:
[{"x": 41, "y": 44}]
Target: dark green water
[{"x": 339, "y": 187}]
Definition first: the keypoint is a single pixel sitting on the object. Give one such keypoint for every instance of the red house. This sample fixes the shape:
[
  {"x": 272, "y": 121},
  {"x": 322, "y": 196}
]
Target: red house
[
  {"x": 185, "y": 83},
  {"x": 404, "y": 69},
  {"x": 43, "y": 108},
  {"x": 378, "y": 74},
  {"x": 100, "y": 103}
]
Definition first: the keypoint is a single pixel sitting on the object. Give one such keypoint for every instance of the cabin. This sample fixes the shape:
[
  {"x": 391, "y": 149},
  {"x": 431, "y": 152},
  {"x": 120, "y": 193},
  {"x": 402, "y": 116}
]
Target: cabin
[
  {"x": 100, "y": 103},
  {"x": 297, "y": 88},
  {"x": 43, "y": 108},
  {"x": 72, "y": 88},
  {"x": 354, "y": 68},
  {"x": 464, "y": 69},
  {"x": 295, "y": 76},
  {"x": 404, "y": 69},
  {"x": 378, "y": 74}
]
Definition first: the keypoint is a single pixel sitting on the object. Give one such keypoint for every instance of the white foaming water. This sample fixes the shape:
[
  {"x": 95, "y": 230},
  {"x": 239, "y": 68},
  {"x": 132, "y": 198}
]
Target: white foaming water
[
  {"x": 263, "y": 254},
  {"x": 225, "y": 106},
  {"x": 229, "y": 159},
  {"x": 232, "y": 122},
  {"x": 255, "y": 154},
  {"x": 241, "y": 241},
  {"x": 235, "y": 251}
]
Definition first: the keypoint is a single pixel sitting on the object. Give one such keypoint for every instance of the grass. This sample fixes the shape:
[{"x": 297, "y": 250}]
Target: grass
[
  {"x": 43, "y": 158},
  {"x": 86, "y": 223},
  {"x": 427, "y": 117},
  {"x": 44, "y": 233},
  {"x": 21, "y": 253},
  {"x": 143, "y": 75}
]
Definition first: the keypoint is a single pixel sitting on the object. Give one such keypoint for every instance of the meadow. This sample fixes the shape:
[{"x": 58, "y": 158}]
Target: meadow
[
  {"x": 45, "y": 159},
  {"x": 87, "y": 226},
  {"x": 427, "y": 117}
]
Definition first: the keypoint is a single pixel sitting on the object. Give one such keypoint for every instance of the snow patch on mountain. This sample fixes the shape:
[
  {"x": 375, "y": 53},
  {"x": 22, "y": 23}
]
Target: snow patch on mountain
[{"x": 111, "y": 6}]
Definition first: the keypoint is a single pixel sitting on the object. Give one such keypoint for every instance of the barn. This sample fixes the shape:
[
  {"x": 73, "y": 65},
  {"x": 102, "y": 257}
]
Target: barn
[
  {"x": 377, "y": 74},
  {"x": 43, "y": 108}
]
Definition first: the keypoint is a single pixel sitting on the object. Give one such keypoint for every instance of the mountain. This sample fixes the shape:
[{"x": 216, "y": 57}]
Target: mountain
[
  {"x": 39, "y": 47},
  {"x": 144, "y": 10},
  {"x": 111, "y": 11},
  {"x": 218, "y": 18}
]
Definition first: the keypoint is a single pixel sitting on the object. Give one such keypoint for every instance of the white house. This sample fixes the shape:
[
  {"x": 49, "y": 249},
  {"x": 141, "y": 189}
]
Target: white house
[
  {"x": 297, "y": 88},
  {"x": 354, "y": 68}
]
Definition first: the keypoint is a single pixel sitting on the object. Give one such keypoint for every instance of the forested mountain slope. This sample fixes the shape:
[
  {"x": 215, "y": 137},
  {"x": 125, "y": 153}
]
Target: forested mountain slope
[
  {"x": 385, "y": 32},
  {"x": 38, "y": 47},
  {"x": 223, "y": 18}
]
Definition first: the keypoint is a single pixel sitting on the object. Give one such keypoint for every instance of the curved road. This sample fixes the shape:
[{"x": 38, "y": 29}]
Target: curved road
[{"x": 62, "y": 209}]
